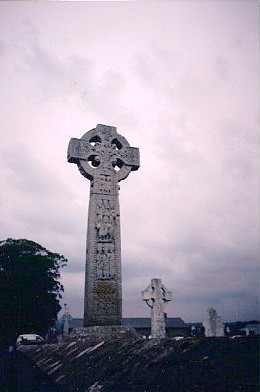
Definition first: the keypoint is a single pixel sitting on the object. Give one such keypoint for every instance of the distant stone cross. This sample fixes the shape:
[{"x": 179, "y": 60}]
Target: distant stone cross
[
  {"x": 155, "y": 295},
  {"x": 66, "y": 318},
  {"x": 105, "y": 158}
]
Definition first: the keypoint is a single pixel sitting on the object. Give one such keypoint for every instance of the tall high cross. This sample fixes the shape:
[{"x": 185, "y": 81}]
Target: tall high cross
[
  {"x": 104, "y": 157},
  {"x": 155, "y": 295}
]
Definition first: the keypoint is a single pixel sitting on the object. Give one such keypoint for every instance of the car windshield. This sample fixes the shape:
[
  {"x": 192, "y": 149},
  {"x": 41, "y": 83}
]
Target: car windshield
[{"x": 30, "y": 338}]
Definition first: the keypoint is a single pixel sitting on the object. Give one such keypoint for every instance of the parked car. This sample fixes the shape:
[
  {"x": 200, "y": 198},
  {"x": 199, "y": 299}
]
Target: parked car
[{"x": 30, "y": 338}]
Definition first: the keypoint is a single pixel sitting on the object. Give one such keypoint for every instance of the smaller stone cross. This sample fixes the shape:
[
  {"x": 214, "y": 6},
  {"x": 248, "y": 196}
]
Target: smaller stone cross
[{"x": 155, "y": 295}]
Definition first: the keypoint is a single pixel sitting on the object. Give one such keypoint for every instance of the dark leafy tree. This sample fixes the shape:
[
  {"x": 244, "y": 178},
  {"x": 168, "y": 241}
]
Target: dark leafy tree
[{"x": 29, "y": 287}]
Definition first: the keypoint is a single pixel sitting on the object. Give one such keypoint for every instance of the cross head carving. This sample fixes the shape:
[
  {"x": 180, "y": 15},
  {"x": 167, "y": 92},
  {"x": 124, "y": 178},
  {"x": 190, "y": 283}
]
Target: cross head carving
[
  {"x": 103, "y": 152},
  {"x": 156, "y": 292}
]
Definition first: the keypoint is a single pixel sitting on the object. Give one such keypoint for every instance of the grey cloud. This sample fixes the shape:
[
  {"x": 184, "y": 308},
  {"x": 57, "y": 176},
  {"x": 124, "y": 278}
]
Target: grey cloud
[
  {"x": 105, "y": 97},
  {"x": 44, "y": 76},
  {"x": 76, "y": 265},
  {"x": 44, "y": 73},
  {"x": 31, "y": 176},
  {"x": 69, "y": 76},
  {"x": 31, "y": 30},
  {"x": 159, "y": 67},
  {"x": 222, "y": 68},
  {"x": 38, "y": 200},
  {"x": 49, "y": 76},
  {"x": 136, "y": 268},
  {"x": 106, "y": 93}
]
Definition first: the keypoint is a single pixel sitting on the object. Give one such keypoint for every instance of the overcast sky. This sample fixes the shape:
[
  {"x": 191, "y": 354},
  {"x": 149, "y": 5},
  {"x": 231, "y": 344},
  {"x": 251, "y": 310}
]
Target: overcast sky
[{"x": 180, "y": 81}]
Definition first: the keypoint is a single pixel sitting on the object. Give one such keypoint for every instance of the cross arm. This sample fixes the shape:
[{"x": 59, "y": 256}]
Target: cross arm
[
  {"x": 130, "y": 157},
  {"x": 146, "y": 294},
  {"x": 167, "y": 295},
  {"x": 79, "y": 149}
]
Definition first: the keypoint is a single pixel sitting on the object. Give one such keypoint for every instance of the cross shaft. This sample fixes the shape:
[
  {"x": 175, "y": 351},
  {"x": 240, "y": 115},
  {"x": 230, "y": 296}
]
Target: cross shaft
[{"x": 105, "y": 158}]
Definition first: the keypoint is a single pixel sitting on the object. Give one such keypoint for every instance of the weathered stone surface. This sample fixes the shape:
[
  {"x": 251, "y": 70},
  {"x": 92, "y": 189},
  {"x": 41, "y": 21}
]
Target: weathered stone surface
[
  {"x": 213, "y": 324},
  {"x": 155, "y": 295},
  {"x": 105, "y": 158},
  {"x": 137, "y": 365},
  {"x": 102, "y": 333}
]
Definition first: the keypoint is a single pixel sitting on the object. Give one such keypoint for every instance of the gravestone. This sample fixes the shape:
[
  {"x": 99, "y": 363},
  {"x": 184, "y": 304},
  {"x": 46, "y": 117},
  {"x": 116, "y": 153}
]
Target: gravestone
[
  {"x": 104, "y": 157},
  {"x": 155, "y": 295},
  {"x": 66, "y": 318},
  {"x": 213, "y": 324}
]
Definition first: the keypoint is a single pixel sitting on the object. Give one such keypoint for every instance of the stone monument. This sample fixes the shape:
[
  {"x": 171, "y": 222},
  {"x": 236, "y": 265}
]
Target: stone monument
[
  {"x": 104, "y": 157},
  {"x": 213, "y": 324},
  {"x": 155, "y": 295},
  {"x": 66, "y": 318}
]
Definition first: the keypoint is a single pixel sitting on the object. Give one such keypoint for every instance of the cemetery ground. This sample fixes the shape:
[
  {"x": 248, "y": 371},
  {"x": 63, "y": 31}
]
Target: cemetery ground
[
  {"x": 127, "y": 363},
  {"x": 18, "y": 373}
]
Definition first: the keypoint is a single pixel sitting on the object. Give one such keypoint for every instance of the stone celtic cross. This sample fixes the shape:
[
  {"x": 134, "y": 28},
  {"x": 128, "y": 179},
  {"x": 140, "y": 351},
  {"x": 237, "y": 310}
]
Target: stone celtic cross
[
  {"x": 104, "y": 157},
  {"x": 155, "y": 295}
]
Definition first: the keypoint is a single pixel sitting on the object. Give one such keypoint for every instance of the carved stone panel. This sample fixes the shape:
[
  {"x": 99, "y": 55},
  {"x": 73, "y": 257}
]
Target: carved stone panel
[
  {"x": 106, "y": 220},
  {"x": 105, "y": 262}
]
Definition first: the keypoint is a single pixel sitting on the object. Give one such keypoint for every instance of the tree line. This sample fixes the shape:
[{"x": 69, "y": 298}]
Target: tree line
[{"x": 30, "y": 289}]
